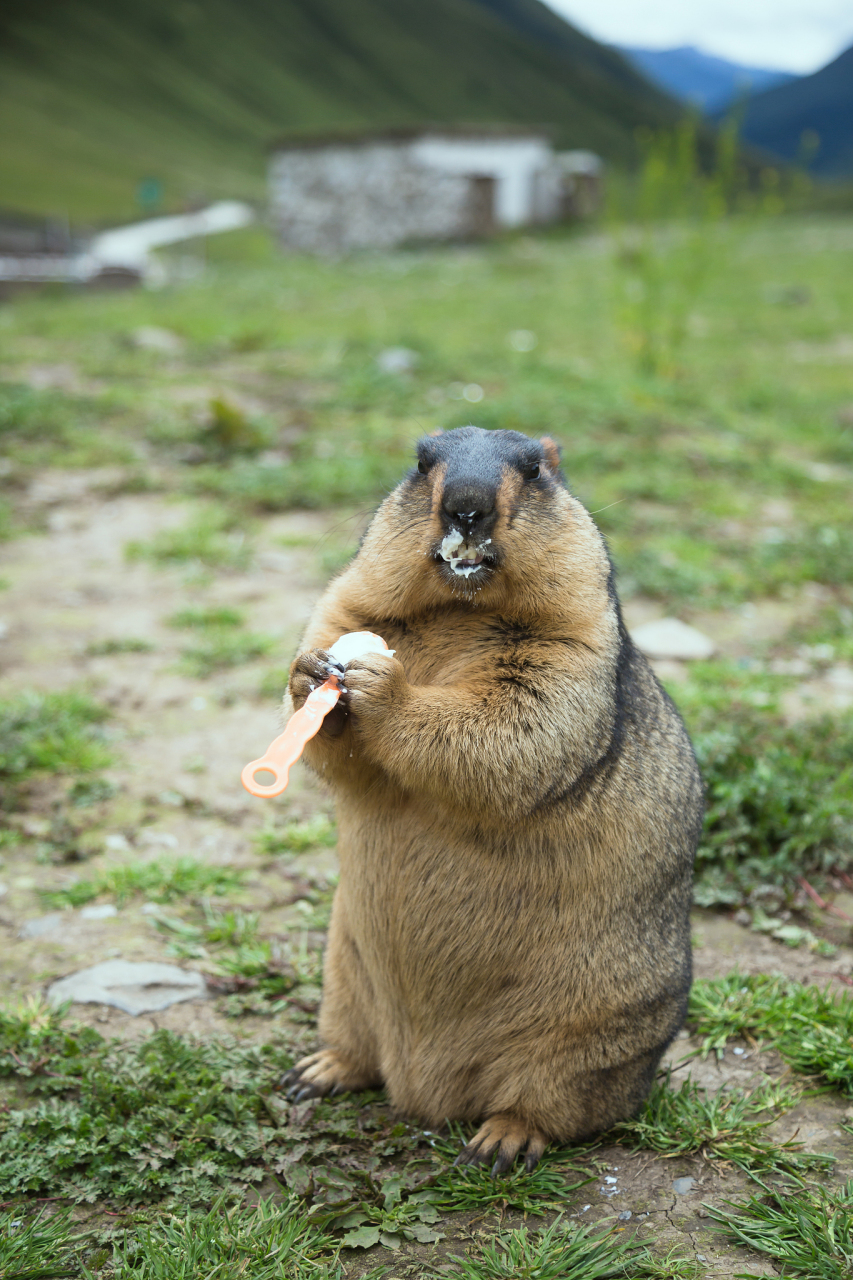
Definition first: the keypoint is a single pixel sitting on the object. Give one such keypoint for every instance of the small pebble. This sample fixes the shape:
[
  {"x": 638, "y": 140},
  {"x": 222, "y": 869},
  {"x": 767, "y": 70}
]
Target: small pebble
[
  {"x": 611, "y": 1180},
  {"x": 624, "y": 1215},
  {"x": 739, "y": 1052}
]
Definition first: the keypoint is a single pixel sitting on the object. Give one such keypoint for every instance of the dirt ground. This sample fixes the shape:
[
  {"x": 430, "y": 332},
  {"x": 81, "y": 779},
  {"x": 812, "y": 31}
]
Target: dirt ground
[{"x": 179, "y": 744}]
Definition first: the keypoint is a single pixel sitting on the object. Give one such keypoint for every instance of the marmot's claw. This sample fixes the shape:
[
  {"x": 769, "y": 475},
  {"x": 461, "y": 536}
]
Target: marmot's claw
[{"x": 503, "y": 1137}]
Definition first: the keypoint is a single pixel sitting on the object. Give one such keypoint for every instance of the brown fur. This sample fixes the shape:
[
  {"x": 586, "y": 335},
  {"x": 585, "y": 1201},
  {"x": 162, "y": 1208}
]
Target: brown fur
[{"x": 518, "y": 807}]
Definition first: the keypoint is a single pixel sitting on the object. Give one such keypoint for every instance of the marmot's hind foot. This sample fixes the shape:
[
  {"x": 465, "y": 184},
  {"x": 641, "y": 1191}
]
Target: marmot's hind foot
[
  {"x": 505, "y": 1135},
  {"x": 324, "y": 1073}
]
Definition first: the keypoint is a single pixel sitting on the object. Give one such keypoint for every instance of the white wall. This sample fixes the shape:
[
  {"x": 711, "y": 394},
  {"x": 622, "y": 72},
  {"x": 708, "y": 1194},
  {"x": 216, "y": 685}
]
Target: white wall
[{"x": 513, "y": 162}]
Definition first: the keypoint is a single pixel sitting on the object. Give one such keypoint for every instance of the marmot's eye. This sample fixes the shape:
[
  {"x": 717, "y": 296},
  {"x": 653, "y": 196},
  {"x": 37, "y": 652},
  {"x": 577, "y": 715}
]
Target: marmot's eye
[
  {"x": 423, "y": 468},
  {"x": 531, "y": 472}
]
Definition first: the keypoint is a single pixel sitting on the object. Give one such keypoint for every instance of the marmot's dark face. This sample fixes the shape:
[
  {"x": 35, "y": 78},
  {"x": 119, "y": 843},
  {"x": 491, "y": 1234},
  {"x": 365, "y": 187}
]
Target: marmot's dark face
[{"x": 481, "y": 487}]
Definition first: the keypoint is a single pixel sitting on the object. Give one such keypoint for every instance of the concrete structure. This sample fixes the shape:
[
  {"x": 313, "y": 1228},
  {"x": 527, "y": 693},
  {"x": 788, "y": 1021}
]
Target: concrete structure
[
  {"x": 335, "y": 193},
  {"x": 123, "y": 255}
]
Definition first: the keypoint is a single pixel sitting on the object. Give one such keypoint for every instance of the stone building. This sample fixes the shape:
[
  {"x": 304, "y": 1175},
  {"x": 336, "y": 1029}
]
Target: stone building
[{"x": 334, "y": 193}]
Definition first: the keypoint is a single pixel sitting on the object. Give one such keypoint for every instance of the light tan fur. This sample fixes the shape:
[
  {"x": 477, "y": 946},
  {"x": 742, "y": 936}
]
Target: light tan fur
[{"x": 508, "y": 935}]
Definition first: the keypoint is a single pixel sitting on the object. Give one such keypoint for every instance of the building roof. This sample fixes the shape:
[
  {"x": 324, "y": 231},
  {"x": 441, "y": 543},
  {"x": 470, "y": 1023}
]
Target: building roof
[{"x": 407, "y": 133}]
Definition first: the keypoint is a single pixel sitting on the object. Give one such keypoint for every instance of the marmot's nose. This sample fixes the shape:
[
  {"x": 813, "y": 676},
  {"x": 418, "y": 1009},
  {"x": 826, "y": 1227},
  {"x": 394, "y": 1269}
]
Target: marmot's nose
[{"x": 468, "y": 507}]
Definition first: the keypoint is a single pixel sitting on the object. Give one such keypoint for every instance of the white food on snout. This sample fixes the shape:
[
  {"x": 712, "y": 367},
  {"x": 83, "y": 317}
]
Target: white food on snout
[
  {"x": 355, "y": 644},
  {"x": 463, "y": 557}
]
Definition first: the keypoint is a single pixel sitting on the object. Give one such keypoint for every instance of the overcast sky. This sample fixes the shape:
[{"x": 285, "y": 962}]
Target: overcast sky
[{"x": 784, "y": 35}]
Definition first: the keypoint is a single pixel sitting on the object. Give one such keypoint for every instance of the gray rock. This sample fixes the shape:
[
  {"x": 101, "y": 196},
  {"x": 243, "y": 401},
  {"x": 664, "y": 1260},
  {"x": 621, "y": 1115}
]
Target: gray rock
[
  {"x": 134, "y": 987},
  {"x": 670, "y": 638},
  {"x": 150, "y": 337},
  {"x": 397, "y": 360},
  {"x": 41, "y": 925},
  {"x": 683, "y": 1186},
  {"x": 101, "y": 911}
]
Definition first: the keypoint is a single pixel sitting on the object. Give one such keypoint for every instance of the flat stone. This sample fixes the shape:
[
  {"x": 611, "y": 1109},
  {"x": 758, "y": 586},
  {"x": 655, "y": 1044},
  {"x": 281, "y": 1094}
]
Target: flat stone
[
  {"x": 132, "y": 986},
  {"x": 671, "y": 638},
  {"x": 149, "y": 337},
  {"x": 101, "y": 911},
  {"x": 397, "y": 360},
  {"x": 41, "y": 925},
  {"x": 683, "y": 1186}
]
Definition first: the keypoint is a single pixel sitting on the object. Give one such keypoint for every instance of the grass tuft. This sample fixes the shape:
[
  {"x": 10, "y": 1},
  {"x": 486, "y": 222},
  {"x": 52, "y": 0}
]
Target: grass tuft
[
  {"x": 220, "y": 648},
  {"x": 812, "y": 1029},
  {"x": 125, "y": 644},
  {"x": 50, "y": 732},
  {"x": 165, "y": 881},
  {"x": 201, "y": 619},
  {"x": 211, "y": 540},
  {"x": 808, "y": 1233},
  {"x": 564, "y": 1251},
  {"x": 726, "y": 1127},
  {"x": 297, "y": 837}
]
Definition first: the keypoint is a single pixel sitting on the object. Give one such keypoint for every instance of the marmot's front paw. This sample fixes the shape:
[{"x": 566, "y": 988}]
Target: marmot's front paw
[
  {"x": 504, "y": 1136},
  {"x": 309, "y": 670},
  {"x": 376, "y": 684},
  {"x": 323, "y": 1073}
]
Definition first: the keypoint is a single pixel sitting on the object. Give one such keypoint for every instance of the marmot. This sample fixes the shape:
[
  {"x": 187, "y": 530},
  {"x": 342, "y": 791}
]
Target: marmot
[{"x": 519, "y": 807}]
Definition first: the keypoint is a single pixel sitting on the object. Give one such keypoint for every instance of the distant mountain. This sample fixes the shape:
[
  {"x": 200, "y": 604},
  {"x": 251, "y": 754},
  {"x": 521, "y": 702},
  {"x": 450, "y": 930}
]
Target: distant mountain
[
  {"x": 710, "y": 83},
  {"x": 104, "y": 101},
  {"x": 810, "y": 120}
]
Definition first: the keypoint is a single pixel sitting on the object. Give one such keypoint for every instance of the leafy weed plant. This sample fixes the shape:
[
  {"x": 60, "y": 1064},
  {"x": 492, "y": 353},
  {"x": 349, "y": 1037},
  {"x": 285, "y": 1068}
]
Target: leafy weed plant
[
  {"x": 812, "y": 1029},
  {"x": 132, "y": 1123},
  {"x": 808, "y": 1233},
  {"x": 160, "y": 881},
  {"x": 726, "y": 1127}
]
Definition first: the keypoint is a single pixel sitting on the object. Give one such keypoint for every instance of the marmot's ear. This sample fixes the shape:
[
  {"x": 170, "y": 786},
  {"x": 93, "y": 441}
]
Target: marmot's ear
[
  {"x": 552, "y": 452},
  {"x": 439, "y": 431}
]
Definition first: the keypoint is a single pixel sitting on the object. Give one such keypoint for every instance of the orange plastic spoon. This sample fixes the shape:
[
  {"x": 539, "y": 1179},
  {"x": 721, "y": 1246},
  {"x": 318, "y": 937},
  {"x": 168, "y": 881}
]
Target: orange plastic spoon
[{"x": 286, "y": 749}]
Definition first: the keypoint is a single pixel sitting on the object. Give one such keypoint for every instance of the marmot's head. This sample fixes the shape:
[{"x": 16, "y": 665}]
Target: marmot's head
[
  {"x": 487, "y": 492},
  {"x": 485, "y": 518}
]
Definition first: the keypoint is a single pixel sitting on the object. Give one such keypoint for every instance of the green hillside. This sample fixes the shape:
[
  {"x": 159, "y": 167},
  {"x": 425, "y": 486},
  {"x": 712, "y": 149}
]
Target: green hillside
[{"x": 97, "y": 97}]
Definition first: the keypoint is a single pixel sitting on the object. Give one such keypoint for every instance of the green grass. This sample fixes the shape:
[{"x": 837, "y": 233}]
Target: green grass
[
  {"x": 562, "y": 1252},
  {"x": 808, "y": 1233},
  {"x": 38, "y": 1248},
  {"x": 222, "y": 648},
  {"x": 121, "y": 644},
  {"x": 212, "y": 539},
  {"x": 51, "y": 733},
  {"x": 262, "y": 1242},
  {"x": 296, "y": 837},
  {"x": 201, "y": 619},
  {"x": 160, "y": 881},
  {"x": 812, "y": 1029},
  {"x": 728, "y": 1126}
]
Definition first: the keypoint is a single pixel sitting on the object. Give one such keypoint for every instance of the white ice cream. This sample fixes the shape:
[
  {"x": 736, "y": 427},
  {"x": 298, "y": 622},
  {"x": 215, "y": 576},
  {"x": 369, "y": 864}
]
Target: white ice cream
[
  {"x": 464, "y": 558},
  {"x": 355, "y": 644}
]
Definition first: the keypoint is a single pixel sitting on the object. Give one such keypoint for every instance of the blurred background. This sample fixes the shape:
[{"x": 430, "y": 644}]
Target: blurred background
[{"x": 249, "y": 252}]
